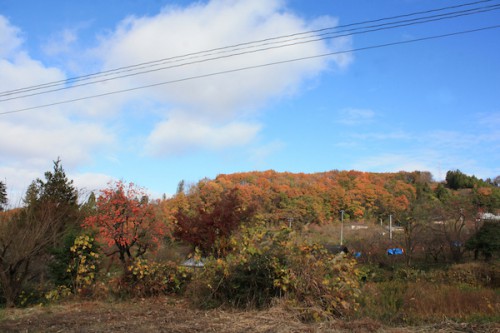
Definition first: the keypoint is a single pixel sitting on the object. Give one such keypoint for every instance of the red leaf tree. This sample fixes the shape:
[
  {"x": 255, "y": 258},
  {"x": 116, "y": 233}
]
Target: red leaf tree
[{"x": 126, "y": 221}]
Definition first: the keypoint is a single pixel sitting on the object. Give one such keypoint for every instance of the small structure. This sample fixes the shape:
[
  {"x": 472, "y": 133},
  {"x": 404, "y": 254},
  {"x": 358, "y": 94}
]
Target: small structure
[
  {"x": 395, "y": 228},
  {"x": 193, "y": 263},
  {"x": 358, "y": 226},
  {"x": 489, "y": 216}
]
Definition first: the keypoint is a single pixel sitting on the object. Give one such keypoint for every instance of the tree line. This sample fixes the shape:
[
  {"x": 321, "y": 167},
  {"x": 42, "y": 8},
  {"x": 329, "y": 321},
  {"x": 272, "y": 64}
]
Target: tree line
[
  {"x": 207, "y": 212},
  {"x": 58, "y": 238}
]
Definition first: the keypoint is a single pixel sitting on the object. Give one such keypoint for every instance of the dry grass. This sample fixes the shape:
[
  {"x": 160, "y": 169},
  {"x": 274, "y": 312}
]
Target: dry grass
[
  {"x": 166, "y": 314},
  {"x": 435, "y": 302},
  {"x": 424, "y": 302}
]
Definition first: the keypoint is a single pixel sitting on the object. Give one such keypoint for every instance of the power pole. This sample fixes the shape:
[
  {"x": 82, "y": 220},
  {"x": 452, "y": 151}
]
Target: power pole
[
  {"x": 342, "y": 227},
  {"x": 390, "y": 227}
]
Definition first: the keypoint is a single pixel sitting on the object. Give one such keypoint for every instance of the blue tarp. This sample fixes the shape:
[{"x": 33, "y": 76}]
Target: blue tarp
[{"x": 395, "y": 251}]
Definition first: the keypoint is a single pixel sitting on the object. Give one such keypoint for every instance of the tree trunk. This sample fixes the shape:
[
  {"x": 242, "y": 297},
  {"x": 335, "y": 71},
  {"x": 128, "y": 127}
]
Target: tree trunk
[{"x": 11, "y": 289}]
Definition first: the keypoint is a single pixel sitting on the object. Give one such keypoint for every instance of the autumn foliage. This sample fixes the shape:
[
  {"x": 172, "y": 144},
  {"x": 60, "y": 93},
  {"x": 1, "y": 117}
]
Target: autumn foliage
[
  {"x": 126, "y": 221},
  {"x": 210, "y": 210},
  {"x": 213, "y": 215}
]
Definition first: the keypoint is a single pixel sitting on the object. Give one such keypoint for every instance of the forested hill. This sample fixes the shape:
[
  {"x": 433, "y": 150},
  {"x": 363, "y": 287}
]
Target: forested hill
[{"x": 319, "y": 197}]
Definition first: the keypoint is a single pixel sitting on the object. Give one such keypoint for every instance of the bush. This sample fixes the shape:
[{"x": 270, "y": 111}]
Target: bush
[
  {"x": 144, "y": 278},
  {"x": 475, "y": 274},
  {"x": 61, "y": 258},
  {"x": 84, "y": 264},
  {"x": 265, "y": 265}
]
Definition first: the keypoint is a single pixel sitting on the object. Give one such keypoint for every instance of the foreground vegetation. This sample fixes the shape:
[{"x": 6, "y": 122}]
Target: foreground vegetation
[
  {"x": 167, "y": 314},
  {"x": 262, "y": 242}
]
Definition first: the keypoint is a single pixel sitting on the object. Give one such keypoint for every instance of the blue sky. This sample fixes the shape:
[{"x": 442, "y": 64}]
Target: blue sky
[{"x": 432, "y": 105}]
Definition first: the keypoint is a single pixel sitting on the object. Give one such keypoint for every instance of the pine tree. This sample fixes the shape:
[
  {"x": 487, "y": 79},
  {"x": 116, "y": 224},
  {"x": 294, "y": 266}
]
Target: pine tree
[{"x": 57, "y": 187}]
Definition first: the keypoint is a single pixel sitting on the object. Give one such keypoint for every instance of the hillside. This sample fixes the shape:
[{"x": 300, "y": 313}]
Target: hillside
[{"x": 213, "y": 208}]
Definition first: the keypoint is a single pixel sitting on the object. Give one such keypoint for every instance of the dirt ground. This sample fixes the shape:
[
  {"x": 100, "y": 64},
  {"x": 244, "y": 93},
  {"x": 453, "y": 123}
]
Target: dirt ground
[{"x": 173, "y": 315}]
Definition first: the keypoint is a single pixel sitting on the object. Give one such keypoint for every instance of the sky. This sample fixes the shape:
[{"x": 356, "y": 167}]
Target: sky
[{"x": 185, "y": 90}]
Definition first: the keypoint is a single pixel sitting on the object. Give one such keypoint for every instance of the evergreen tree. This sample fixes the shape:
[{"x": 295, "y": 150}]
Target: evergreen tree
[
  {"x": 57, "y": 187},
  {"x": 56, "y": 190},
  {"x": 442, "y": 193},
  {"x": 32, "y": 195},
  {"x": 90, "y": 206},
  {"x": 486, "y": 240}
]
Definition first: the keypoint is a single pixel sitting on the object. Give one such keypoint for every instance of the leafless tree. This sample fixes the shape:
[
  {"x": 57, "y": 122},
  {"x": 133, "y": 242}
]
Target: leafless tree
[{"x": 25, "y": 236}]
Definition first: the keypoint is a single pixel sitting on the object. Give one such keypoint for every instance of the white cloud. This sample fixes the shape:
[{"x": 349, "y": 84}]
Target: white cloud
[
  {"x": 392, "y": 162},
  {"x": 354, "y": 116},
  {"x": 180, "y": 134},
  {"x": 29, "y": 141},
  {"x": 218, "y": 112},
  {"x": 10, "y": 39},
  {"x": 17, "y": 179},
  {"x": 260, "y": 154},
  {"x": 74, "y": 142},
  {"x": 396, "y": 135},
  {"x": 91, "y": 182},
  {"x": 217, "y": 100},
  {"x": 489, "y": 120},
  {"x": 61, "y": 42}
]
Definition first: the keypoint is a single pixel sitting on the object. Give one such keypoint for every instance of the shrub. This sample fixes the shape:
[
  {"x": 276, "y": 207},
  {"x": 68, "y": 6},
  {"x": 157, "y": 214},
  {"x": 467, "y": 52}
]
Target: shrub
[
  {"x": 265, "y": 265},
  {"x": 475, "y": 274},
  {"x": 61, "y": 258},
  {"x": 145, "y": 278},
  {"x": 84, "y": 264},
  {"x": 58, "y": 293}
]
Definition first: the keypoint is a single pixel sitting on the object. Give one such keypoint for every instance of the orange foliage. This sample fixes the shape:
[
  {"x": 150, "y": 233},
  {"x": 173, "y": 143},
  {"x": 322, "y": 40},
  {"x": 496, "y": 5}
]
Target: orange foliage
[
  {"x": 310, "y": 198},
  {"x": 125, "y": 220}
]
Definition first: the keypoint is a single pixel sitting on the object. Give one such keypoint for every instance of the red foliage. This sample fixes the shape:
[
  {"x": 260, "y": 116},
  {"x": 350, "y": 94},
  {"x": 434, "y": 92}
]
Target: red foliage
[
  {"x": 125, "y": 220},
  {"x": 210, "y": 220}
]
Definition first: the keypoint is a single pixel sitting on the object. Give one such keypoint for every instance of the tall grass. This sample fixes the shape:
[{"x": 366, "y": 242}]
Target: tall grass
[
  {"x": 460, "y": 294},
  {"x": 433, "y": 302}
]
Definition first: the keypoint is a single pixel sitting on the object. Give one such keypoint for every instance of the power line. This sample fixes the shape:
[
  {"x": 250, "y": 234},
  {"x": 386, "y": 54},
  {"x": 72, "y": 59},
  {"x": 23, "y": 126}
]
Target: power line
[
  {"x": 254, "y": 67},
  {"x": 293, "y": 42},
  {"x": 200, "y": 53}
]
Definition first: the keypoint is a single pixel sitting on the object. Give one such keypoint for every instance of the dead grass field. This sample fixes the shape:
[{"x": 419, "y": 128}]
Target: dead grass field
[{"x": 167, "y": 314}]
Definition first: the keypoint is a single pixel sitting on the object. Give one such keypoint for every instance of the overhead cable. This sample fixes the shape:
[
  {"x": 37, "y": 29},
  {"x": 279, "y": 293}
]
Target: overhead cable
[
  {"x": 292, "y": 42},
  {"x": 254, "y": 67},
  {"x": 267, "y": 41}
]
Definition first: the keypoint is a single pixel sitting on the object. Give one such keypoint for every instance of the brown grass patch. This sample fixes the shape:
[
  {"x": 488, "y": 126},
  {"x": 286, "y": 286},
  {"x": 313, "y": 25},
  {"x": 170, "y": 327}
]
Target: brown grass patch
[
  {"x": 437, "y": 302},
  {"x": 167, "y": 314}
]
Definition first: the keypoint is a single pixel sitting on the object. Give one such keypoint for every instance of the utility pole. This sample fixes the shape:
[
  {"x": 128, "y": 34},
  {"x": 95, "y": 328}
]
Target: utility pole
[
  {"x": 390, "y": 226},
  {"x": 342, "y": 227}
]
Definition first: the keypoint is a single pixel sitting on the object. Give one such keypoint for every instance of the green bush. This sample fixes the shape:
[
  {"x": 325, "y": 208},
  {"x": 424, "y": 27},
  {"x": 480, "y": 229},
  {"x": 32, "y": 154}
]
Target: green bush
[{"x": 61, "y": 258}]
